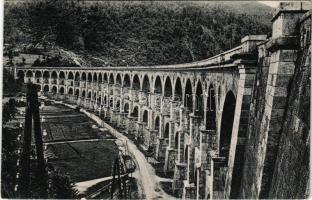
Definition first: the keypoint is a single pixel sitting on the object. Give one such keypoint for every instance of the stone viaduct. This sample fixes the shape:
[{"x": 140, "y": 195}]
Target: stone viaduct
[{"x": 193, "y": 116}]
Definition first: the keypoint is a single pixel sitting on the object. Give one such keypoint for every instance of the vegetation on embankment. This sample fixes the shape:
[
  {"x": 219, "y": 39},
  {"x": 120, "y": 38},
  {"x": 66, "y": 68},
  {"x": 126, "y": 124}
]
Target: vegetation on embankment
[{"x": 133, "y": 33}]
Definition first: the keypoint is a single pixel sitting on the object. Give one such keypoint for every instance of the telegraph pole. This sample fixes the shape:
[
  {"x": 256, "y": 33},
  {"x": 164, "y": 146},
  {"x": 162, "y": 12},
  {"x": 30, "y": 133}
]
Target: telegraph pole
[{"x": 32, "y": 117}]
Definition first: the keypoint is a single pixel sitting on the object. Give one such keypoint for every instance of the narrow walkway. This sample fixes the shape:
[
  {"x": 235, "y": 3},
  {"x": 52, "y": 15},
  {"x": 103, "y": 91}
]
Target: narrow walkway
[
  {"x": 83, "y": 186},
  {"x": 76, "y": 141},
  {"x": 148, "y": 180}
]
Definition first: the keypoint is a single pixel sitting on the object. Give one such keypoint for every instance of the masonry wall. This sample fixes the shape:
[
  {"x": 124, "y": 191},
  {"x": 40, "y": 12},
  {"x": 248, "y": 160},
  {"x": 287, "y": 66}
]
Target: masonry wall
[
  {"x": 277, "y": 150},
  {"x": 255, "y": 140},
  {"x": 291, "y": 173}
]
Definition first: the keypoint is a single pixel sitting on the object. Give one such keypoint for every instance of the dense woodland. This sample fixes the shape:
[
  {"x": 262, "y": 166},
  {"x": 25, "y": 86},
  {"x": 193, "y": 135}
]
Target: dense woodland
[{"x": 135, "y": 33}]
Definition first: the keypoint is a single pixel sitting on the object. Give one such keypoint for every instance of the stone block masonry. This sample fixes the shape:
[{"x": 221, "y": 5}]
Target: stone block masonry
[{"x": 276, "y": 154}]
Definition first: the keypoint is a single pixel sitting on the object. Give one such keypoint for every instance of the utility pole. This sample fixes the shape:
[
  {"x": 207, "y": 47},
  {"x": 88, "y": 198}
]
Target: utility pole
[{"x": 32, "y": 117}]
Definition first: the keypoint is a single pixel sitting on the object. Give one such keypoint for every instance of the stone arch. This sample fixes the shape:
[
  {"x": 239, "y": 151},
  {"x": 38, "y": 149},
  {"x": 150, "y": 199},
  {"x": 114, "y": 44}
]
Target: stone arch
[
  {"x": 127, "y": 81},
  {"x": 62, "y": 78},
  {"x": 77, "y": 76},
  {"x": 135, "y": 111},
  {"x": 227, "y": 124},
  {"x": 89, "y": 77},
  {"x": 62, "y": 90},
  {"x": 94, "y": 95},
  {"x": 105, "y": 100},
  {"x": 38, "y": 88},
  {"x": 105, "y": 78},
  {"x": 111, "y": 102},
  {"x": 70, "y": 91},
  {"x": 157, "y": 122},
  {"x": 211, "y": 123},
  {"x": 77, "y": 92},
  {"x": 89, "y": 95},
  {"x": 158, "y": 85},
  {"x": 178, "y": 90},
  {"x": 54, "y": 75},
  {"x": 100, "y": 79},
  {"x": 136, "y": 82},
  {"x": 29, "y": 74},
  {"x": 95, "y": 78},
  {"x": 70, "y": 75},
  {"x": 224, "y": 141},
  {"x": 62, "y": 75},
  {"x": 46, "y": 74},
  {"x": 46, "y": 88},
  {"x": 186, "y": 153},
  {"x": 167, "y": 129},
  {"x": 118, "y": 80},
  {"x": 219, "y": 95},
  {"x": 117, "y": 104},
  {"x": 111, "y": 79},
  {"x": 126, "y": 108},
  {"x": 168, "y": 87},
  {"x": 38, "y": 74},
  {"x": 83, "y": 76},
  {"x": 146, "y": 84},
  {"x": 54, "y": 89},
  {"x": 176, "y": 140},
  {"x": 188, "y": 100},
  {"x": 99, "y": 98},
  {"x": 83, "y": 94},
  {"x": 145, "y": 116},
  {"x": 199, "y": 101}
]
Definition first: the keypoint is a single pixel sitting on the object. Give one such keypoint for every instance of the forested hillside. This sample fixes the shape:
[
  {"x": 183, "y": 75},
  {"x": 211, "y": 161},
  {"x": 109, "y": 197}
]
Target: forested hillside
[{"x": 134, "y": 33}]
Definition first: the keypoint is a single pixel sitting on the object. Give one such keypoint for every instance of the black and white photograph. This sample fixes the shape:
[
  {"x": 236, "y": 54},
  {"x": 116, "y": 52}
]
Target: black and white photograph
[{"x": 155, "y": 99}]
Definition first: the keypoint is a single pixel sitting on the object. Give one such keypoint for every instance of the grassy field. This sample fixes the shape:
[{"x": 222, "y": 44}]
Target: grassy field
[
  {"x": 85, "y": 160},
  {"x": 81, "y": 160}
]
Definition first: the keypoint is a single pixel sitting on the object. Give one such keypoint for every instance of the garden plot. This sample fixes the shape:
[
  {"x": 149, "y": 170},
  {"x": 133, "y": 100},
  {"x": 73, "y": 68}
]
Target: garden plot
[
  {"x": 86, "y": 160},
  {"x": 61, "y": 124},
  {"x": 65, "y": 133}
]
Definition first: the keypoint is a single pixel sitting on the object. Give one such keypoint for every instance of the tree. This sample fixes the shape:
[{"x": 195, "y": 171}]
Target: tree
[
  {"x": 10, "y": 55},
  {"x": 9, "y": 157},
  {"x": 61, "y": 186},
  {"x": 9, "y": 111}
]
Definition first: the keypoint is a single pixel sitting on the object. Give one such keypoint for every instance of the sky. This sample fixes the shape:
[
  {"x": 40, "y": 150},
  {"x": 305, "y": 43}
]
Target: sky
[{"x": 273, "y": 4}]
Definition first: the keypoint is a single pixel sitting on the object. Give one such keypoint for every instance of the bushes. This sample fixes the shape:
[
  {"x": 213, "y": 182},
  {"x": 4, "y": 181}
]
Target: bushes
[
  {"x": 149, "y": 33},
  {"x": 11, "y": 86}
]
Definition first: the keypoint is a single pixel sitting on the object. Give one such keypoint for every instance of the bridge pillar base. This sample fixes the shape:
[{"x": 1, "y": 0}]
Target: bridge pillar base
[
  {"x": 178, "y": 178},
  {"x": 189, "y": 190},
  {"x": 160, "y": 154}
]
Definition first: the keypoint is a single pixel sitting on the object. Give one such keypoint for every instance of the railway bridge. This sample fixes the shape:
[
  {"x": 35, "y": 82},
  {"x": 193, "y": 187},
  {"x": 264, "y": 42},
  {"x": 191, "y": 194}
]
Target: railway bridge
[{"x": 193, "y": 116}]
